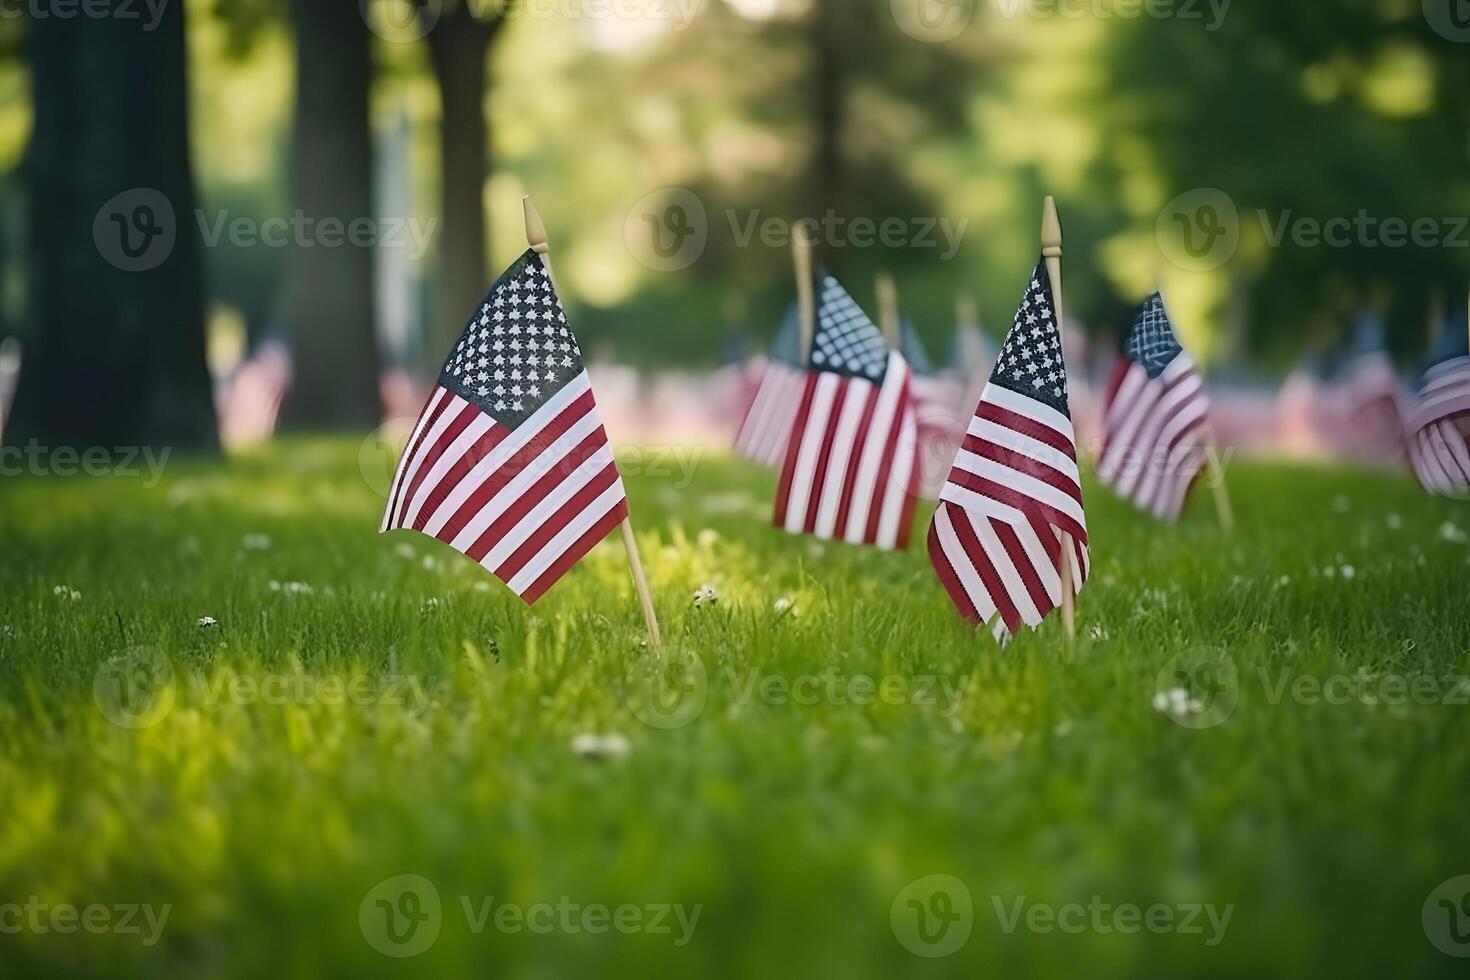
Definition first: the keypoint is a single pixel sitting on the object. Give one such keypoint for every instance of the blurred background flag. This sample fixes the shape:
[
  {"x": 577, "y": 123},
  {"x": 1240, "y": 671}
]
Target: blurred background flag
[
  {"x": 9, "y": 372},
  {"x": 250, "y": 400},
  {"x": 1371, "y": 395},
  {"x": 852, "y": 457},
  {"x": 1014, "y": 493},
  {"x": 1154, "y": 417},
  {"x": 1439, "y": 427},
  {"x": 509, "y": 462},
  {"x": 767, "y": 423}
]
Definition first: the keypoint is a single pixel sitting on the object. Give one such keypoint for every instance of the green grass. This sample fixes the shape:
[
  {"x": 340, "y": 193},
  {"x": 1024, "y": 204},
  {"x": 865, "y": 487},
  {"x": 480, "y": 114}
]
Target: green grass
[{"x": 1042, "y": 773}]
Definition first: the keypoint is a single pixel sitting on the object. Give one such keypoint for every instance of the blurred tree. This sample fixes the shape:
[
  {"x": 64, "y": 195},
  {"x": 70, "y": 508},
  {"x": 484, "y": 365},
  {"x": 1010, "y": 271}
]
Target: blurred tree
[
  {"x": 115, "y": 318},
  {"x": 459, "y": 46},
  {"x": 329, "y": 295}
]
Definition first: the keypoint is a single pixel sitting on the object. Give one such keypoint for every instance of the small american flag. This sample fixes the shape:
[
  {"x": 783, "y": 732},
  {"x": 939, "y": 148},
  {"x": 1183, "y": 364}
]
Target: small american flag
[
  {"x": 996, "y": 540},
  {"x": 852, "y": 458},
  {"x": 767, "y": 422},
  {"x": 1439, "y": 428},
  {"x": 509, "y": 463},
  {"x": 1154, "y": 418},
  {"x": 1371, "y": 396}
]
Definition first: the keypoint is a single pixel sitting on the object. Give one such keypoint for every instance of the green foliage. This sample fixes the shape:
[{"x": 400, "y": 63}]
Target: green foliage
[{"x": 1047, "y": 774}]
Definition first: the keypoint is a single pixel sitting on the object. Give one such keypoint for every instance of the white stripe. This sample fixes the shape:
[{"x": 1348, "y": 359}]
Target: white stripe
[
  {"x": 1022, "y": 483},
  {"x": 963, "y": 565},
  {"x": 1010, "y": 578},
  {"x": 853, "y": 406},
  {"x": 566, "y": 537},
  {"x": 518, "y": 485},
  {"x": 895, "y": 494},
  {"x": 1123, "y": 442},
  {"x": 864, "y": 488},
  {"x": 1023, "y": 445},
  {"x": 812, "y": 436},
  {"x": 1149, "y": 442},
  {"x": 546, "y": 507},
  {"x": 1031, "y": 408},
  {"x": 435, "y": 397},
  {"x": 463, "y": 443},
  {"x": 451, "y": 412}
]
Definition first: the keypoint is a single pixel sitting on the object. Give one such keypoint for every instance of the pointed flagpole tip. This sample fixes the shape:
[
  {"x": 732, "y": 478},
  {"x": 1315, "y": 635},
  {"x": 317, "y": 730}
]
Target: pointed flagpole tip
[
  {"x": 1051, "y": 228},
  {"x": 535, "y": 230}
]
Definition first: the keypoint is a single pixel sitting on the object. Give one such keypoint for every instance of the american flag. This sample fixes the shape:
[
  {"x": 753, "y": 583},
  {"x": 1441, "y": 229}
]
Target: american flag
[
  {"x": 996, "y": 540},
  {"x": 937, "y": 399},
  {"x": 1370, "y": 396},
  {"x": 1439, "y": 428},
  {"x": 509, "y": 463},
  {"x": 249, "y": 403},
  {"x": 767, "y": 423},
  {"x": 1154, "y": 418},
  {"x": 852, "y": 458}
]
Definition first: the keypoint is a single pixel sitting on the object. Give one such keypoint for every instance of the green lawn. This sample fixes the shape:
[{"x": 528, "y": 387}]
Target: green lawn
[{"x": 373, "y": 706}]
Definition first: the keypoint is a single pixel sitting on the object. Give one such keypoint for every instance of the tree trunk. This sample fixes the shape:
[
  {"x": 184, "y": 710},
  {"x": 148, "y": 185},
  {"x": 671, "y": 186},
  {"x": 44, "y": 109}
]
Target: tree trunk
[
  {"x": 115, "y": 319},
  {"x": 827, "y": 110},
  {"x": 459, "y": 46},
  {"x": 329, "y": 303}
]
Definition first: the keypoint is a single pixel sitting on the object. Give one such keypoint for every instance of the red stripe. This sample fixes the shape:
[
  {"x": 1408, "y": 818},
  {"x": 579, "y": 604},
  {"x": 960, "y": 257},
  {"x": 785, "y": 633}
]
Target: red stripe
[
  {"x": 1021, "y": 559},
  {"x": 576, "y": 551},
  {"x": 431, "y": 458},
  {"x": 462, "y": 468},
  {"x": 519, "y": 460},
  {"x": 854, "y": 461},
  {"x": 1115, "y": 381},
  {"x": 885, "y": 467},
  {"x": 1022, "y": 463},
  {"x": 410, "y": 451},
  {"x": 557, "y": 520},
  {"x": 824, "y": 456},
  {"x": 1027, "y": 426},
  {"x": 793, "y": 446},
  {"x": 948, "y": 577},
  {"x": 989, "y": 577},
  {"x": 1020, "y": 501},
  {"x": 535, "y": 493}
]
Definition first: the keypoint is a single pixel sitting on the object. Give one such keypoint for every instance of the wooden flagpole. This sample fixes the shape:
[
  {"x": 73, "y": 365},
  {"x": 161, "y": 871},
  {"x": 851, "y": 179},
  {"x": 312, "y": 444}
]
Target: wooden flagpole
[
  {"x": 888, "y": 314},
  {"x": 1051, "y": 250},
  {"x": 806, "y": 300},
  {"x": 536, "y": 237}
]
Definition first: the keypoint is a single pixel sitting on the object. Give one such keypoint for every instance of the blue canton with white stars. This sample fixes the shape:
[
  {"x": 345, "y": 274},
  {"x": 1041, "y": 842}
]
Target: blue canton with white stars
[
  {"x": 1151, "y": 342},
  {"x": 517, "y": 350},
  {"x": 1030, "y": 362},
  {"x": 846, "y": 342}
]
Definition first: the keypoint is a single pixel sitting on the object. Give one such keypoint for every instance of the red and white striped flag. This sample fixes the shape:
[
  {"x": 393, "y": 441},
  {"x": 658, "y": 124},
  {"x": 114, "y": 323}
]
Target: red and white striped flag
[
  {"x": 851, "y": 465},
  {"x": 509, "y": 463},
  {"x": 1439, "y": 428},
  {"x": 996, "y": 540},
  {"x": 1371, "y": 397},
  {"x": 1154, "y": 418},
  {"x": 766, "y": 424}
]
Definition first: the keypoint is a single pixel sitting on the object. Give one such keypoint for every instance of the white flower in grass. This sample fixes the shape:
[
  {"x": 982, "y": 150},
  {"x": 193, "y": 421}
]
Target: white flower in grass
[
  {"x": 405, "y": 550},
  {"x": 256, "y": 542},
  {"x": 706, "y": 596},
  {"x": 429, "y": 563},
  {"x": 708, "y": 538},
  {"x": 6, "y": 631},
  {"x": 1394, "y": 521},
  {"x": 1177, "y": 703},
  {"x": 205, "y": 622},
  {"x": 66, "y": 593},
  {"x": 1348, "y": 572},
  {"x": 481, "y": 586},
  {"x": 291, "y": 588},
  {"x": 431, "y": 605},
  {"x": 1452, "y": 533},
  {"x": 782, "y": 604},
  {"x": 590, "y": 746},
  {"x": 1098, "y": 633}
]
